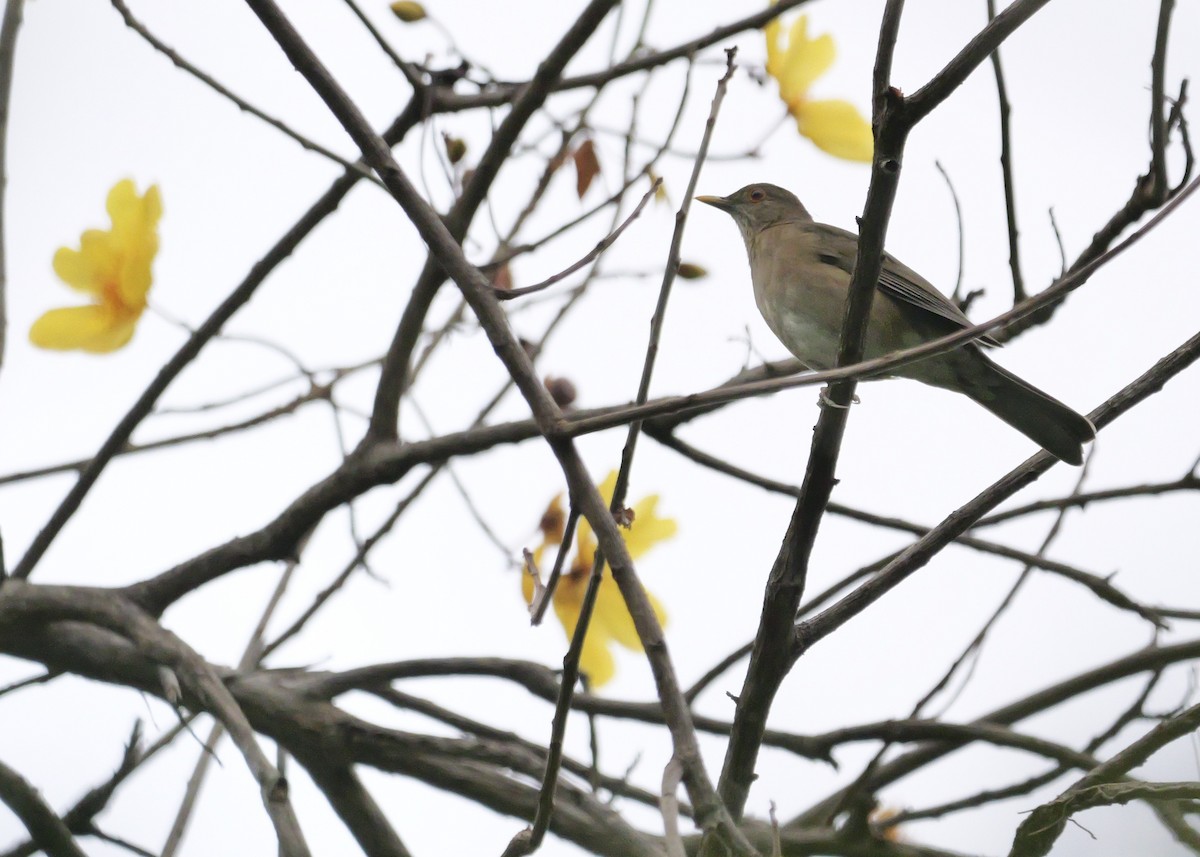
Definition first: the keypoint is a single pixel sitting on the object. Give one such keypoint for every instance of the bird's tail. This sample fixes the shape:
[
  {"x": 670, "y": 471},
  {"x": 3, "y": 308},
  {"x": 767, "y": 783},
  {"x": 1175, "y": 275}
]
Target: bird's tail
[{"x": 1043, "y": 419}]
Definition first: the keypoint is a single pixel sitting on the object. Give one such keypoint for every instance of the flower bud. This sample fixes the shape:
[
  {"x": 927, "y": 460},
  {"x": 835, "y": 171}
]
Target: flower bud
[{"x": 408, "y": 11}]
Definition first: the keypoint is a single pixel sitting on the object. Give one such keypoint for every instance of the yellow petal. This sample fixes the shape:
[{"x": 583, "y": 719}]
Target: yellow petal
[
  {"x": 76, "y": 270},
  {"x": 131, "y": 213},
  {"x": 806, "y": 60},
  {"x": 774, "y": 52},
  {"x": 134, "y": 279},
  {"x": 607, "y": 487},
  {"x": 585, "y": 546},
  {"x": 647, "y": 529},
  {"x": 596, "y": 661},
  {"x": 611, "y": 621},
  {"x": 122, "y": 198},
  {"x": 585, "y": 542},
  {"x": 92, "y": 266},
  {"x": 612, "y": 615},
  {"x": 135, "y": 236},
  {"x": 568, "y": 598},
  {"x": 838, "y": 128},
  {"x": 91, "y": 328}
]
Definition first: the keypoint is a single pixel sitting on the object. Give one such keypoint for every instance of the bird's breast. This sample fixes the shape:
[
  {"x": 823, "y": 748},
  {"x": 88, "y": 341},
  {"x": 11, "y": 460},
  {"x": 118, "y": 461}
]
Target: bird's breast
[{"x": 801, "y": 298}]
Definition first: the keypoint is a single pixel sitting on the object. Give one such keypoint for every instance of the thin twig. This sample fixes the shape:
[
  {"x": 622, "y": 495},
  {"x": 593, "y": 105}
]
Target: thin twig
[
  {"x": 191, "y": 792},
  {"x": 615, "y": 785},
  {"x": 538, "y": 608},
  {"x": 1028, "y": 785},
  {"x": 120, "y": 843},
  {"x": 251, "y": 656},
  {"x": 410, "y": 71},
  {"x": 771, "y": 657},
  {"x": 355, "y": 562},
  {"x": 685, "y": 751},
  {"x": 968, "y": 655},
  {"x": 238, "y": 298},
  {"x": 958, "y": 217},
  {"x": 505, "y": 252},
  {"x": 41, "y": 605},
  {"x": 44, "y": 825},
  {"x": 500, "y": 95},
  {"x": 669, "y": 808},
  {"x": 1038, "y": 832},
  {"x": 9, "y": 26},
  {"x": 584, "y": 424},
  {"x": 313, "y": 395},
  {"x": 1143, "y": 660},
  {"x": 920, "y": 552},
  {"x": 1006, "y": 168},
  {"x": 393, "y": 380},
  {"x": 1058, "y": 239},
  {"x": 472, "y": 508},
  {"x": 1158, "y": 104},
  {"x": 601, "y": 246},
  {"x": 1102, "y": 587},
  {"x": 1151, "y": 189},
  {"x": 1189, "y": 482},
  {"x": 211, "y": 82}
]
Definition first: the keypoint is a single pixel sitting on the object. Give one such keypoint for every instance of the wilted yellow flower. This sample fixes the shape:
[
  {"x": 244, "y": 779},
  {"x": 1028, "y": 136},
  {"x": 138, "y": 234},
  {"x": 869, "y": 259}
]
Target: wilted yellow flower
[
  {"x": 891, "y": 833},
  {"x": 611, "y": 621},
  {"x": 835, "y": 126},
  {"x": 113, "y": 267}
]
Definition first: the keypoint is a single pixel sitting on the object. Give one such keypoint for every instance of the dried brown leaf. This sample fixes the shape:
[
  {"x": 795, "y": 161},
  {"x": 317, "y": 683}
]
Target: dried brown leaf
[
  {"x": 502, "y": 278},
  {"x": 587, "y": 166}
]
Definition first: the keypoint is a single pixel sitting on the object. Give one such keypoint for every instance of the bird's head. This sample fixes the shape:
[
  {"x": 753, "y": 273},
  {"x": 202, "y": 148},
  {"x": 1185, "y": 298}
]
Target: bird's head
[{"x": 757, "y": 206}]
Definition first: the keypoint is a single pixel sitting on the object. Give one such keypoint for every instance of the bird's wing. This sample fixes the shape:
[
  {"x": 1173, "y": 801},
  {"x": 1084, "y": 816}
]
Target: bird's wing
[{"x": 901, "y": 282}]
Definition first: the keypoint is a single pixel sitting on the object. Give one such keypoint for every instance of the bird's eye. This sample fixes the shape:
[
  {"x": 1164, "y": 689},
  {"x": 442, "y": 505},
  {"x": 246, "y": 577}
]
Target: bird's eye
[{"x": 757, "y": 195}]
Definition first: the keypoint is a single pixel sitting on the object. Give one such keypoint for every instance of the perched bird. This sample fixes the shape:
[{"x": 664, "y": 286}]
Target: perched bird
[{"x": 801, "y": 274}]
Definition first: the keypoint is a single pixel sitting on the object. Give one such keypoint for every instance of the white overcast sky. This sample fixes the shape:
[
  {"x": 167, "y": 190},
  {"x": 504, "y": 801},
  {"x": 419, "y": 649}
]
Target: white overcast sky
[{"x": 93, "y": 104}]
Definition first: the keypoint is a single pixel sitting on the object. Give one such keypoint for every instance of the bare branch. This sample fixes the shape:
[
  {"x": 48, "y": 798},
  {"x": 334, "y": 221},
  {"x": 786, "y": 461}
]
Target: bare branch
[
  {"x": 45, "y": 604},
  {"x": 238, "y": 298},
  {"x": 1006, "y": 168},
  {"x": 9, "y": 26},
  {"x": 209, "y": 81},
  {"x": 474, "y": 286},
  {"x": 593, "y": 254},
  {"x": 1041, "y": 828},
  {"x": 47, "y": 829}
]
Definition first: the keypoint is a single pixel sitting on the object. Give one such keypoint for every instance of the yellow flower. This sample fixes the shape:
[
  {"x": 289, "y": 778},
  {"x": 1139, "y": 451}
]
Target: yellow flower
[
  {"x": 611, "y": 621},
  {"x": 835, "y": 126},
  {"x": 113, "y": 267}
]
